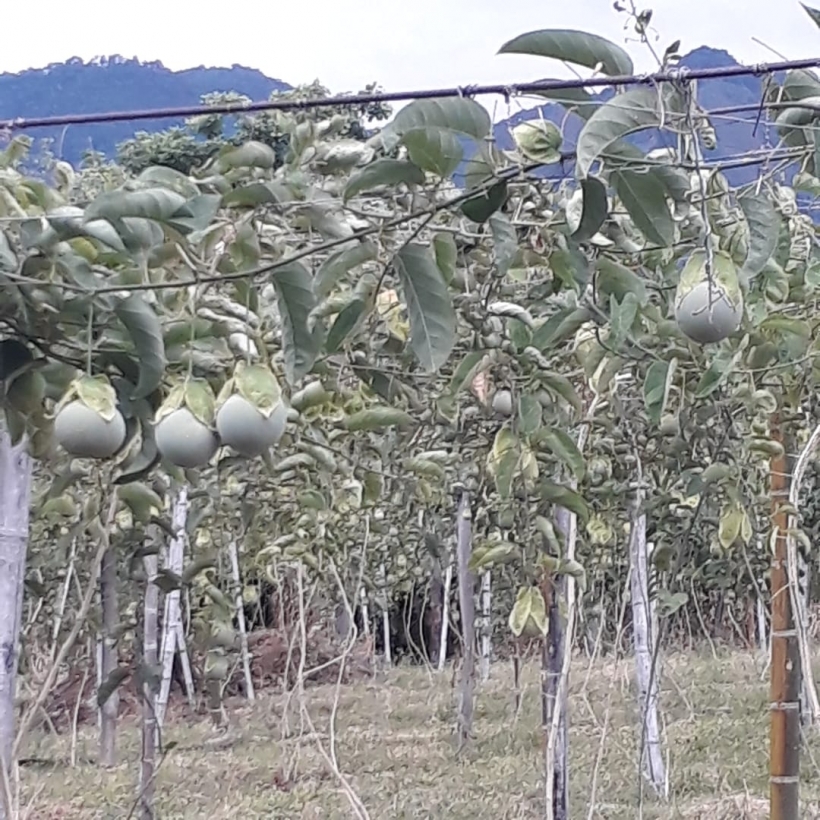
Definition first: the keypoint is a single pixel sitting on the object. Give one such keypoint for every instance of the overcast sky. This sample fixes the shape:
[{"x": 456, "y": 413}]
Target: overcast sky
[{"x": 403, "y": 45}]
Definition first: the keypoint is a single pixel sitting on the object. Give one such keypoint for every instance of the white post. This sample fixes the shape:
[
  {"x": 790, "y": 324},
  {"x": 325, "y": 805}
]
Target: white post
[
  {"x": 15, "y": 498},
  {"x": 445, "y": 617},
  {"x": 240, "y": 614},
  {"x": 173, "y": 634},
  {"x": 388, "y": 654},
  {"x": 486, "y": 624},
  {"x": 644, "y": 640}
]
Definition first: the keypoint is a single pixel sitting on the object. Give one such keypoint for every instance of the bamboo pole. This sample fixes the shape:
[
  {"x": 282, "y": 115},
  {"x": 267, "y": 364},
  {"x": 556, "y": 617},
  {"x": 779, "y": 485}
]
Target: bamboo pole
[{"x": 784, "y": 751}]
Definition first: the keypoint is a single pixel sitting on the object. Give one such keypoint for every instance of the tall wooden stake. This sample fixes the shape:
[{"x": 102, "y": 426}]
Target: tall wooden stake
[{"x": 784, "y": 752}]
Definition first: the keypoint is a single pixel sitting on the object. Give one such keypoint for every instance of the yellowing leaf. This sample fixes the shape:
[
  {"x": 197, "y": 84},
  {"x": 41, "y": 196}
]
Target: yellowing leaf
[{"x": 502, "y": 460}]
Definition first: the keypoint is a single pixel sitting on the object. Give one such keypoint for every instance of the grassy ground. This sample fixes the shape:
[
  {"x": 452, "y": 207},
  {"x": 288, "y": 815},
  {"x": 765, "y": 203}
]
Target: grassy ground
[{"x": 393, "y": 744}]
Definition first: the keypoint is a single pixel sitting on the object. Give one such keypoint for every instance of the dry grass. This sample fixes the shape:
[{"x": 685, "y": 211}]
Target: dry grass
[{"x": 394, "y": 745}]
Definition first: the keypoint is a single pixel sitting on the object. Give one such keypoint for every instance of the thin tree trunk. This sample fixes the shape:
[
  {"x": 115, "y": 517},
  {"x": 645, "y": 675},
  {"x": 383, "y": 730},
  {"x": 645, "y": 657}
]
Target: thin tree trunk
[
  {"x": 466, "y": 600},
  {"x": 445, "y": 617},
  {"x": 644, "y": 635},
  {"x": 240, "y": 615},
  {"x": 784, "y": 743},
  {"x": 15, "y": 497},
  {"x": 108, "y": 657},
  {"x": 150, "y": 663},
  {"x": 486, "y": 624}
]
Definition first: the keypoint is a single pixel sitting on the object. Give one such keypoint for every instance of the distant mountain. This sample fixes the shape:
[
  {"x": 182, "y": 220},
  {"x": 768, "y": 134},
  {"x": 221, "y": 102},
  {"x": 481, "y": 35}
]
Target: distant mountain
[
  {"x": 116, "y": 84},
  {"x": 736, "y": 134}
]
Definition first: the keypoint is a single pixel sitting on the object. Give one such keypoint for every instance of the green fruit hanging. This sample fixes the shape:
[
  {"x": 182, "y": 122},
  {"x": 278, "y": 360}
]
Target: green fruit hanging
[
  {"x": 184, "y": 430},
  {"x": 708, "y": 311},
  {"x": 251, "y": 415},
  {"x": 88, "y": 423}
]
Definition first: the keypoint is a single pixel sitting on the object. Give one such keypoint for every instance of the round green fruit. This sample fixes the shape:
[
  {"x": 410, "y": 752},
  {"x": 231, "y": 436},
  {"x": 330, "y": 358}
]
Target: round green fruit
[
  {"x": 706, "y": 315},
  {"x": 244, "y": 429},
  {"x": 84, "y": 433},
  {"x": 184, "y": 440},
  {"x": 708, "y": 311},
  {"x": 502, "y": 402}
]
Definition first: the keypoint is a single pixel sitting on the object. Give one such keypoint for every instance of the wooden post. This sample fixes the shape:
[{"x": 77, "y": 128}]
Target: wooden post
[{"x": 784, "y": 752}]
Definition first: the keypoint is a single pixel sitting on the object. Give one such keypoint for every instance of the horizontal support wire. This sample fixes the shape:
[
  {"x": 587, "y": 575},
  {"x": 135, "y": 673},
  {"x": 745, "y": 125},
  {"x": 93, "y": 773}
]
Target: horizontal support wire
[{"x": 505, "y": 90}]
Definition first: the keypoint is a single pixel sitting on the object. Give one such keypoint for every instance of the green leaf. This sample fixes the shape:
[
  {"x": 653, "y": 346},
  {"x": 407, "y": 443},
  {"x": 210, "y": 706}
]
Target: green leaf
[
  {"x": 564, "y": 497},
  {"x": 621, "y": 318},
  {"x": 787, "y": 324},
  {"x": 578, "y": 47},
  {"x": 595, "y": 209},
  {"x": 529, "y": 415},
  {"x": 485, "y": 203},
  {"x": 456, "y": 113},
  {"x": 529, "y": 614},
  {"x": 570, "y": 267},
  {"x": 644, "y": 197},
  {"x": 505, "y": 242},
  {"x": 763, "y": 222},
  {"x": 258, "y": 193},
  {"x": 348, "y": 319},
  {"x": 715, "y": 375},
  {"x": 383, "y": 172},
  {"x": 295, "y": 298},
  {"x": 158, "y": 204},
  {"x": 562, "y": 386},
  {"x": 339, "y": 263},
  {"x": 378, "y": 418},
  {"x": 578, "y": 100},
  {"x": 813, "y": 13},
  {"x": 257, "y": 384},
  {"x": 444, "y": 247},
  {"x": 616, "y": 280},
  {"x": 563, "y": 446},
  {"x": 165, "y": 177},
  {"x": 196, "y": 214},
  {"x": 431, "y": 314},
  {"x": 656, "y": 389},
  {"x": 559, "y": 326},
  {"x": 502, "y": 461},
  {"x": 144, "y": 327},
  {"x": 8, "y": 259},
  {"x": 624, "y": 114},
  {"x": 141, "y": 500},
  {"x": 250, "y": 155},
  {"x": 437, "y": 150},
  {"x": 466, "y": 371}
]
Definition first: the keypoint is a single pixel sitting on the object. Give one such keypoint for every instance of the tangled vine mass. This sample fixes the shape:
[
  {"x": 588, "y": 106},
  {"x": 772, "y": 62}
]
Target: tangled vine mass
[{"x": 313, "y": 327}]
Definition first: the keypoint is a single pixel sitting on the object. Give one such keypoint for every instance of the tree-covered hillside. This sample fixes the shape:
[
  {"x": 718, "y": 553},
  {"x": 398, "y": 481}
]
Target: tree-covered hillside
[{"x": 116, "y": 84}]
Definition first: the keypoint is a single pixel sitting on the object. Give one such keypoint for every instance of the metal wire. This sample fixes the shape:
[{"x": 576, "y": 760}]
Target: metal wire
[{"x": 507, "y": 91}]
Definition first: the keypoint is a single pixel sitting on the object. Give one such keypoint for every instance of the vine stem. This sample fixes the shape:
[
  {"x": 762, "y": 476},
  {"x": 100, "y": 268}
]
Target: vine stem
[{"x": 79, "y": 622}]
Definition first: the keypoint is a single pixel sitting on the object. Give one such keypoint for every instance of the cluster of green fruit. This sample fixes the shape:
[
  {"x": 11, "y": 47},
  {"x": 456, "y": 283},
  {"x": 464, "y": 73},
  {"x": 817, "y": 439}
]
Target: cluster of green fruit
[{"x": 249, "y": 416}]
